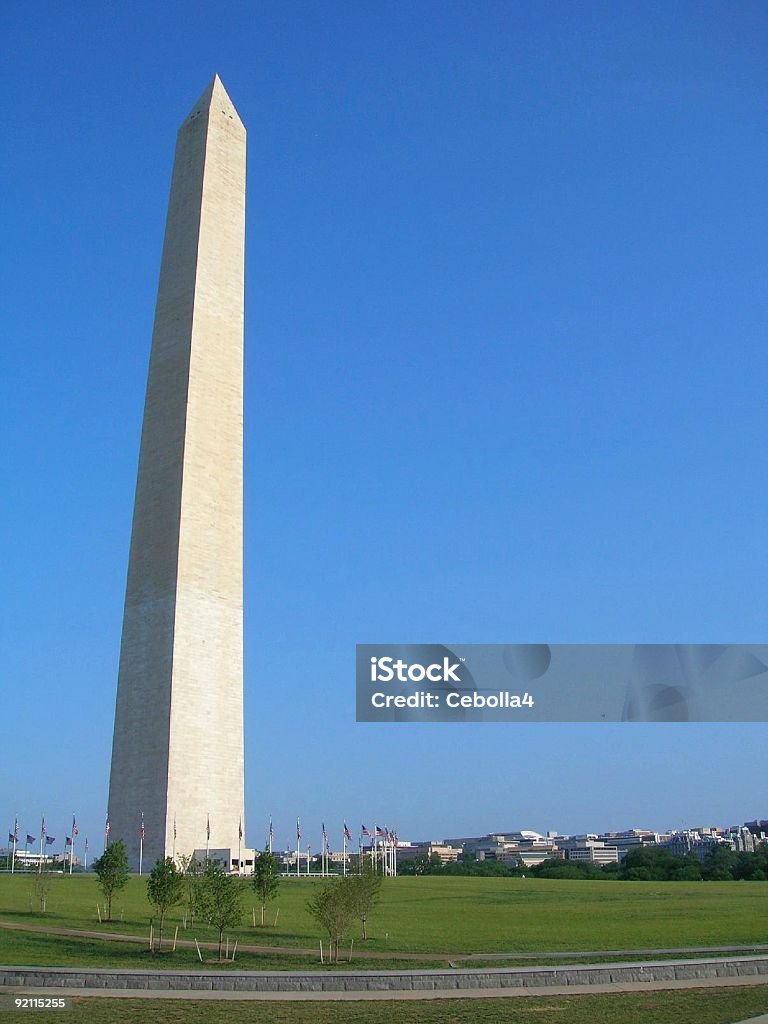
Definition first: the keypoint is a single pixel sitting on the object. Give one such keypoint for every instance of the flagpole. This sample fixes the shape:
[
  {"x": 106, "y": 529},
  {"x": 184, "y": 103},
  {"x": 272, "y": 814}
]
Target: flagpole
[
  {"x": 42, "y": 840},
  {"x": 141, "y": 844},
  {"x": 239, "y": 845},
  {"x": 15, "y": 840},
  {"x": 72, "y": 844},
  {"x": 344, "y": 857},
  {"x": 298, "y": 848},
  {"x": 174, "y": 838},
  {"x": 85, "y": 855},
  {"x": 207, "y": 837},
  {"x": 270, "y": 837}
]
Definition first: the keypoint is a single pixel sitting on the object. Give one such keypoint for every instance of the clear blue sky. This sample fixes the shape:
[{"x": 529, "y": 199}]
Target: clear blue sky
[{"x": 506, "y": 382}]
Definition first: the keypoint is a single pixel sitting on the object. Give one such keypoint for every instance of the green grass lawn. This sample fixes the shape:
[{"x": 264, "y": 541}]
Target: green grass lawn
[
  {"x": 692, "y": 1006},
  {"x": 448, "y": 915}
]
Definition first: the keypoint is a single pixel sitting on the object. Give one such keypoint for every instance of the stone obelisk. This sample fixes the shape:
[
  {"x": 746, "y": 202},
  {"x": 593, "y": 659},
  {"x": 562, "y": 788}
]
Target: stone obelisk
[{"x": 177, "y": 755}]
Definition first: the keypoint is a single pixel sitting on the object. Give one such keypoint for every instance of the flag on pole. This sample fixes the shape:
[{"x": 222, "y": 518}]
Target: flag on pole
[
  {"x": 379, "y": 831},
  {"x": 174, "y": 826},
  {"x": 298, "y": 831},
  {"x": 16, "y": 831},
  {"x": 208, "y": 828},
  {"x": 75, "y": 829},
  {"x": 50, "y": 840},
  {"x": 42, "y": 828},
  {"x": 364, "y": 831},
  {"x": 11, "y": 837},
  {"x": 142, "y": 829},
  {"x": 107, "y": 827},
  {"x": 325, "y": 837},
  {"x": 68, "y": 841},
  {"x": 30, "y": 839},
  {"x": 271, "y": 831},
  {"x": 240, "y": 830},
  {"x": 86, "y": 844},
  {"x": 347, "y": 833}
]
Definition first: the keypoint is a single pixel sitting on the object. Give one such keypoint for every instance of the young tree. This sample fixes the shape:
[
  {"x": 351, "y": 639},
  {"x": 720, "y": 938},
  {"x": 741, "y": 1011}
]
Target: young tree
[
  {"x": 266, "y": 879},
  {"x": 112, "y": 870},
  {"x": 332, "y": 908},
  {"x": 221, "y": 898},
  {"x": 165, "y": 889},
  {"x": 192, "y": 873},
  {"x": 41, "y": 884},
  {"x": 364, "y": 890}
]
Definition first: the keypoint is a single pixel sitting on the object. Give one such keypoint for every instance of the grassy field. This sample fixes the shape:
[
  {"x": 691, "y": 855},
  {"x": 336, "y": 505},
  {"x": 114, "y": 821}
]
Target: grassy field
[
  {"x": 712, "y": 1006},
  {"x": 446, "y": 915}
]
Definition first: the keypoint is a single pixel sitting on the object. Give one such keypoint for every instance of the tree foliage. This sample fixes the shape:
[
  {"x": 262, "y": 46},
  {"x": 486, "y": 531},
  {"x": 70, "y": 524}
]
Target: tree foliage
[
  {"x": 332, "y": 907},
  {"x": 266, "y": 878},
  {"x": 192, "y": 873},
  {"x": 221, "y": 899},
  {"x": 112, "y": 871},
  {"x": 165, "y": 889},
  {"x": 364, "y": 890}
]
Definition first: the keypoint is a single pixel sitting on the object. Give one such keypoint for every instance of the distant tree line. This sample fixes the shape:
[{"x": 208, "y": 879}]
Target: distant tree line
[{"x": 641, "y": 864}]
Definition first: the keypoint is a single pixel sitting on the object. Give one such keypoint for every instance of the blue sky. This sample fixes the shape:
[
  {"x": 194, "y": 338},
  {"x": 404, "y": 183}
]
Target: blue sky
[{"x": 506, "y": 376}]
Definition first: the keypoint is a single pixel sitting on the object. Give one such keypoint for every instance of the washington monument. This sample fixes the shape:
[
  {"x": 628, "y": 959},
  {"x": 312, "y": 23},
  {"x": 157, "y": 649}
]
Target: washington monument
[{"x": 177, "y": 754}]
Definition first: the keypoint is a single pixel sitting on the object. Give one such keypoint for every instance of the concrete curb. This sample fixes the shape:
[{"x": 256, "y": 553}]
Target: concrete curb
[{"x": 570, "y": 976}]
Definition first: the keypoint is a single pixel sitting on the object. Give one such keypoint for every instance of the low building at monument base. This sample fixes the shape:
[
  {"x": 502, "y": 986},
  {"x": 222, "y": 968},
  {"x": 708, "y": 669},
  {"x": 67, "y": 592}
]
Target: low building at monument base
[{"x": 239, "y": 862}]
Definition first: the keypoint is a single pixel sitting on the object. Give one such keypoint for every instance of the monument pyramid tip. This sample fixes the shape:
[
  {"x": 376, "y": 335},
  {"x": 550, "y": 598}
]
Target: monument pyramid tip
[{"x": 215, "y": 95}]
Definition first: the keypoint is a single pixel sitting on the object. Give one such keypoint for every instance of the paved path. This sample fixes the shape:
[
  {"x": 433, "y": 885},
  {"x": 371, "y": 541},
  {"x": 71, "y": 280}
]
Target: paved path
[{"x": 367, "y": 954}]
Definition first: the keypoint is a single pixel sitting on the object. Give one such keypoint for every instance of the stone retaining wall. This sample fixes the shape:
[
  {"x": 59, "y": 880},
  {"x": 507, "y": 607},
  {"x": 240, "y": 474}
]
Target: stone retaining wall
[{"x": 383, "y": 981}]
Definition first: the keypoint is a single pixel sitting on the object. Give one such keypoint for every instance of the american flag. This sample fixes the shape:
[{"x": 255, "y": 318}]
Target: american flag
[
  {"x": 50, "y": 840},
  {"x": 271, "y": 831},
  {"x": 86, "y": 844},
  {"x": 75, "y": 829},
  {"x": 11, "y": 837},
  {"x": 68, "y": 841},
  {"x": 174, "y": 826},
  {"x": 42, "y": 828},
  {"x": 15, "y": 830},
  {"x": 208, "y": 828},
  {"x": 30, "y": 839},
  {"x": 142, "y": 829},
  {"x": 107, "y": 827},
  {"x": 347, "y": 833},
  {"x": 379, "y": 831},
  {"x": 325, "y": 836},
  {"x": 298, "y": 831},
  {"x": 240, "y": 830},
  {"x": 364, "y": 831}
]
